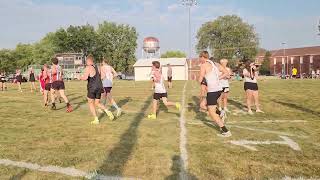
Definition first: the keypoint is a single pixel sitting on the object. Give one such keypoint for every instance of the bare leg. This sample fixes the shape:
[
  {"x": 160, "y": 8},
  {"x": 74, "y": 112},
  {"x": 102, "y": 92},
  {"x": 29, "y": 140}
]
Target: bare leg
[
  {"x": 225, "y": 100},
  {"x": 99, "y": 105},
  {"x": 167, "y": 103},
  {"x": 203, "y": 104},
  {"x": 34, "y": 86},
  {"x": 256, "y": 100},
  {"x": 19, "y": 87},
  {"x": 64, "y": 97},
  {"x": 248, "y": 98},
  {"x": 45, "y": 97},
  {"x": 52, "y": 93},
  {"x": 154, "y": 106},
  {"x": 92, "y": 107},
  {"x": 214, "y": 116}
]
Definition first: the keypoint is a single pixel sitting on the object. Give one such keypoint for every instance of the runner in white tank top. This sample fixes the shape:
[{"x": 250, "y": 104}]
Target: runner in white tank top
[
  {"x": 225, "y": 87},
  {"x": 160, "y": 91},
  {"x": 107, "y": 75},
  {"x": 211, "y": 71}
]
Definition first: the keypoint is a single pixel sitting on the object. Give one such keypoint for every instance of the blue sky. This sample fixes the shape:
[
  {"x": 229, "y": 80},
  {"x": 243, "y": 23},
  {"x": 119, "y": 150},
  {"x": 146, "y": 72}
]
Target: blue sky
[{"x": 292, "y": 21}]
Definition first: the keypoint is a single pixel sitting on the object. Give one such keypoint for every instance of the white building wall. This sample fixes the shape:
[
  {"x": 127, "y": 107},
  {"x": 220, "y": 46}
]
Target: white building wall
[{"x": 178, "y": 73}]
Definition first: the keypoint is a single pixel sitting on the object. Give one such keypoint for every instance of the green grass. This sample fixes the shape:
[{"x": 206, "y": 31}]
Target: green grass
[{"x": 133, "y": 146}]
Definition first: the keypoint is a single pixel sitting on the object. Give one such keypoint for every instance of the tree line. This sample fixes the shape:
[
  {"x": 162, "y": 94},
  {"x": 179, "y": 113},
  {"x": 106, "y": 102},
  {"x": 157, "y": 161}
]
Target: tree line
[{"x": 115, "y": 42}]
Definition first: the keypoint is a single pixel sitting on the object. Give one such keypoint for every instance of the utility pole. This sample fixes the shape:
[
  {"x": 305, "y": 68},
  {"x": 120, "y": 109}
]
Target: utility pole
[{"x": 189, "y": 4}]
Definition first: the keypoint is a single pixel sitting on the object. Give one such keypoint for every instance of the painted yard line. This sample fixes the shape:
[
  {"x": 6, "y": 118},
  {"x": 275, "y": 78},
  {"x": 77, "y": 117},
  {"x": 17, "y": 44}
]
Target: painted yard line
[
  {"x": 254, "y": 129},
  {"x": 183, "y": 139},
  {"x": 257, "y": 121},
  {"x": 69, "y": 171}
]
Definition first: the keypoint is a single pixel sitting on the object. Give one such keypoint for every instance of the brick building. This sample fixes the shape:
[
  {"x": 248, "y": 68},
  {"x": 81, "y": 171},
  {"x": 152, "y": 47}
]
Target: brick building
[{"x": 305, "y": 59}]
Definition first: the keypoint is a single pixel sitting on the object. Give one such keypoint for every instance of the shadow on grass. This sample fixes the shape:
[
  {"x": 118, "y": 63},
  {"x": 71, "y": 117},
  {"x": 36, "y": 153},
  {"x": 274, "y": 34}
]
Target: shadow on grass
[
  {"x": 176, "y": 169},
  {"x": 201, "y": 115},
  {"x": 298, "y": 107},
  {"x": 237, "y": 104},
  {"x": 120, "y": 154},
  {"x": 123, "y": 102},
  {"x": 19, "y": 175},
  {"x": 163, "y": 108}
]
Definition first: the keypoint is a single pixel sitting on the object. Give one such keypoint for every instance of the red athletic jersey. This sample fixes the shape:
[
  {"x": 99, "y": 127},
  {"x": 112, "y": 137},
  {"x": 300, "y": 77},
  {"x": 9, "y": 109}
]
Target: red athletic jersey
[{"x": 56, "y": 73}]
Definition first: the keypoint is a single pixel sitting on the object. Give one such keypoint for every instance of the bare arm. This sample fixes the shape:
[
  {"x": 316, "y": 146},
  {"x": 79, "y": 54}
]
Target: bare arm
[
  {"x": 202, "y": 72},
  {"x": 115, "y": 74},
  {"x": 224, "y": 71},
  {"x": 86, "y": 74}
]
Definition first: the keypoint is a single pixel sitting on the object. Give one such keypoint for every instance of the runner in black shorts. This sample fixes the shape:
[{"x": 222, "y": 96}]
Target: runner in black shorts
[
  {"x": 95, "y": 89},
  {"x": 19, "y": 79},
  {"x": 58, "y": 84},
  {"x": 3, "y": 81},
  {"x": 32, "y": 80}
]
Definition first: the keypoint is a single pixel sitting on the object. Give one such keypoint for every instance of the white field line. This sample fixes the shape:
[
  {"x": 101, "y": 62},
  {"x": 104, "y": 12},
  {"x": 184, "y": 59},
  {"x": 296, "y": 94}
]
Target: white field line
[
  {"x": 69, "y": 171},
  {"x": 253, "y": 129},
  {"x": 183, "y": 139},
  {"x": 255, "y": 121}
]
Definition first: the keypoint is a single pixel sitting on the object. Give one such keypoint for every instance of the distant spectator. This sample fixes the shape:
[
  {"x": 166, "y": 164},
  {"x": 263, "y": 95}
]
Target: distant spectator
[
  {"x": 294, "y": 72},
  {"x": 169, "y": 73}
]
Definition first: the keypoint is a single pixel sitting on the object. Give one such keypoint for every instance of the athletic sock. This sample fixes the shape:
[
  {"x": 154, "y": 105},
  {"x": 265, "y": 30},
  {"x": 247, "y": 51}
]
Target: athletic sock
[
  {"x": 115, "y": 106},
  {"x": 224, "y": 129}
]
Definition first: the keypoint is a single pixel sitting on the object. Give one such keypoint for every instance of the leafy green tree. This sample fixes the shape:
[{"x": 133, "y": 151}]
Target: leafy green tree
[
  {"x": 76, "y": 39},
  {"x": 45, "y": 49},
  {"x": 173, "y": 54},
  {"x": 228, "y": 37},
  {"x": 23, "y": 54},
  {"x": 117, "y": 43},
  {"x": 265, "y": 67},
  {"x": 7, "y": 60}
]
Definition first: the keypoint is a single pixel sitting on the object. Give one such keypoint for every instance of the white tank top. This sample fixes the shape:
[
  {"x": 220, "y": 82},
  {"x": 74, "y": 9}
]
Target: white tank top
[
  {"x": 248, "y": 79},
  {"x": 108, "y": 79},
  {"x": 225, "y": 82},
  {"x": 213, "y": 78},
  {"x": 159, "y": 86}
]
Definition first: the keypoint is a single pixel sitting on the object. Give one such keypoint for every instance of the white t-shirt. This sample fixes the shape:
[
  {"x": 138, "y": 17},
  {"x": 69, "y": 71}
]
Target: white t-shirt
[
  {"x": 108, "y": 79},
  {"x": 248, "y": 79},
  {"x": 159, "y": 86},
  {"x": 212, "y": 78}
]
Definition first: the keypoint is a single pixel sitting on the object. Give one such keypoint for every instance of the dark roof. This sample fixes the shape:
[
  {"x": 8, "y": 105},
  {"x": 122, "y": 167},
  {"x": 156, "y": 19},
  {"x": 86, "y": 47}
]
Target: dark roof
[{"x": 314, "y": 50}]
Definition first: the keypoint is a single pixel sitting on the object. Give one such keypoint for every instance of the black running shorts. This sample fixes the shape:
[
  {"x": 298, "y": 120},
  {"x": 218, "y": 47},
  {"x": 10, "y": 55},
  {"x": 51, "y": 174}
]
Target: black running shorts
[
  {"x": 107, "y": 89},
  {"x": 48, "y": 86},
  {"x": 212, "y": 98},
  {"x": 158, "y": 96},
  {"x": 94, "y": 93},
  {"x": 250, "y": 86},
  {"x": 58, "y": 85},
  {"x": 225, "y": 89},
  {"x": 169, "y": 79}
]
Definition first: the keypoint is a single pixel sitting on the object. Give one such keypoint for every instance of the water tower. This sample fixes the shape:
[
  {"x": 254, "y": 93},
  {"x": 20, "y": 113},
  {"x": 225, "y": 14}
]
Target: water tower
[{"x": 151, "y": 48}]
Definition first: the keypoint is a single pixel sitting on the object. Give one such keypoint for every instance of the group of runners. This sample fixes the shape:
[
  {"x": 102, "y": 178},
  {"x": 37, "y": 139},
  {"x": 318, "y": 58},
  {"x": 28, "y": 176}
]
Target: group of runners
[{"x": 214, "y": 82}]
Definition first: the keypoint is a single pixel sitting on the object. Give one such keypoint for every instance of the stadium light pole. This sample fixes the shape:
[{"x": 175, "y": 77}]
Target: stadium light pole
[
  {"x": 189, "y": 4},
  {"x": 284, "y": 56}
]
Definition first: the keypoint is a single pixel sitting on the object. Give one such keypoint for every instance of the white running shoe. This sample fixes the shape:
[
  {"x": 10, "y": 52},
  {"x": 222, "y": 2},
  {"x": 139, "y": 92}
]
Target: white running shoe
[
  {"x": 250, "y": 112},
  {"x": 259, "y": 111},
  {"x": 119, "y": 111},
  {"x": 225, "y": 134}
]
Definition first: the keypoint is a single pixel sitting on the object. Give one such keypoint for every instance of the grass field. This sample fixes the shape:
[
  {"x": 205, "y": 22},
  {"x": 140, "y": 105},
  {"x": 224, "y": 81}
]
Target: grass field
[{"x": 133, "y": 146}]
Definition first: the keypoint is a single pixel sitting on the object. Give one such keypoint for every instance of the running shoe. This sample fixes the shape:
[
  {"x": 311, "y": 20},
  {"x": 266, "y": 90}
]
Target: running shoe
[
  {"x": 95, "y": 121},
  {"x": 225, "y": 134},
  {"x": 223, "y": 115},
  {"x": 53, "y": 107},
  {"x": 109, "y": 114},
  {"x": 152, "y": 116},
  {"x": 119, "y": 111},
  {"x": 69, "y": 108},
  {"x": 250, "y": 112},
  {"x": 259, "y": 111},
  {"x": 178, "y": 106}
]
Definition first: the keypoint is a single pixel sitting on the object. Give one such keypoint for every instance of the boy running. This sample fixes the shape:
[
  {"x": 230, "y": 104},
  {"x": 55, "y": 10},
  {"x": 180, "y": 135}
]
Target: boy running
[
  {"x": 107, "y": 75},
  {"x": 95, "y": 89},
  {"x": 58, "y": 84},
  {"x": 211, "y": 71},
  {"x": 160, "y": 91}
]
